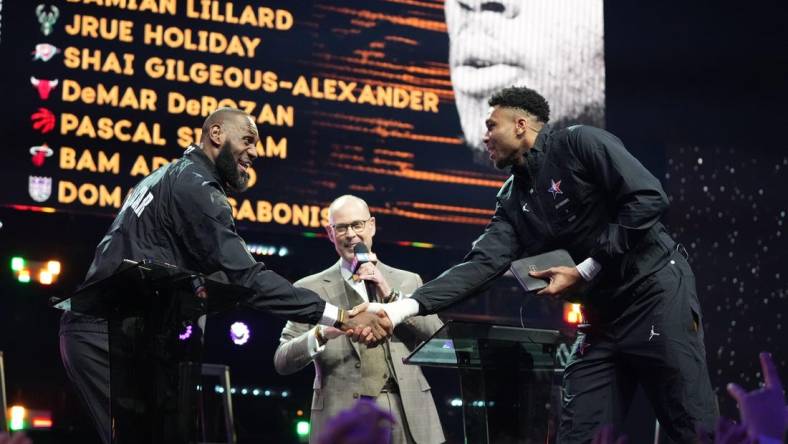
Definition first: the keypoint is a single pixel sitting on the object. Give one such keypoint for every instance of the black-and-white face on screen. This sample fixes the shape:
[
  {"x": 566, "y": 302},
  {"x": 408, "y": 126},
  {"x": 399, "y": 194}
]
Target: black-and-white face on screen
[{"x": 555, "y": 47}]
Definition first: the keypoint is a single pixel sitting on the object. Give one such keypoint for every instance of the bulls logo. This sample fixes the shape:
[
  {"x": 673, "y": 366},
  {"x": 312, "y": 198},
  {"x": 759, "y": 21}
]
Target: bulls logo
[{"x": 44, "y": 86}]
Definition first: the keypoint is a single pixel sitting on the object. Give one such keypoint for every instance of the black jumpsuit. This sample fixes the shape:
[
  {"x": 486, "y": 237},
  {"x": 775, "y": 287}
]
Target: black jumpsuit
[
  {"x": 180, "y": 215},
  {"x": 581, "y": 190}
]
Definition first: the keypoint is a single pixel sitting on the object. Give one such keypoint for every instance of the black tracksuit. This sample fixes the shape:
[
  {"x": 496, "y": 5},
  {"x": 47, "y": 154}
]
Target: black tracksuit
[
  {"x": 581, "y": 190},
  {"x": 179, "y": 215}
]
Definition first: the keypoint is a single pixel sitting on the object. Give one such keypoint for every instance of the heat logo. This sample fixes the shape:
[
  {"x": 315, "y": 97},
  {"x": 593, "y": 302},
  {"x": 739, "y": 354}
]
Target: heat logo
[{"x": 39, "y": 153}]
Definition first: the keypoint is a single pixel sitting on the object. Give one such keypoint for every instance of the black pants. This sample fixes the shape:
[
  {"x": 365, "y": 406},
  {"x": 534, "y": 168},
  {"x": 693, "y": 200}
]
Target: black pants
[
  {"x": 657, "y": 342},
  {"x": 85, "y": 354}
]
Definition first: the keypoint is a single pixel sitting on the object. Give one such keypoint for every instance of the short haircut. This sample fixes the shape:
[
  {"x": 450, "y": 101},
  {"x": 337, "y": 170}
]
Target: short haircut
[
  {"x": 220, "y": 116},
  {"x": 523, "y": 98}
]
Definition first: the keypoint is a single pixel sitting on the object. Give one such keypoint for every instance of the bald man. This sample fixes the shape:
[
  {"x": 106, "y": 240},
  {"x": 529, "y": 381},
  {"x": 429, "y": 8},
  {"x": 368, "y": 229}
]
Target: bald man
[
  {"x": 346, "y": 372},
  {"x": 180, "y": 215}
]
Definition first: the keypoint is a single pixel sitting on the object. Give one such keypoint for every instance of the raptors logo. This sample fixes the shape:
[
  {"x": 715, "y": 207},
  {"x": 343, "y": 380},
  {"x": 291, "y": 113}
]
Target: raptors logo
[
  {"x": 43, "y": 120},
  {"x": 44, "y": 86}
]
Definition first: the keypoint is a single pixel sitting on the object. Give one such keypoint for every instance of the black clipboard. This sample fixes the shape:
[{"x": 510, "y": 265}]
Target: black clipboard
[{"x": 521, "y": 267}]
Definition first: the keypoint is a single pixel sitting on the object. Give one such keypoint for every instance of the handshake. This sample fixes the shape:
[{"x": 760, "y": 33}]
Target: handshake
[{"x": 361, "y": 325}]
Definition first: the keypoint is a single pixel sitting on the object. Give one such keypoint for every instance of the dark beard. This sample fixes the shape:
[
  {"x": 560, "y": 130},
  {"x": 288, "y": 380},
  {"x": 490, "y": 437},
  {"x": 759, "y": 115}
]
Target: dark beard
[{"x": 227, "y": 167}]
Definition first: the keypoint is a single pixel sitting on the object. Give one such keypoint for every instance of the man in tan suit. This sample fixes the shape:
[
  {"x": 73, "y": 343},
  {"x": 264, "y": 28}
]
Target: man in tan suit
[{"x": 346, "y": 371}]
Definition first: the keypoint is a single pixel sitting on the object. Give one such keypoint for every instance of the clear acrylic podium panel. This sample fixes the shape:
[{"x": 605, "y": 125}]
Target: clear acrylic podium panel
[
  {"x": 507, "y": 378},
  {"x": 155, "y": 377}
]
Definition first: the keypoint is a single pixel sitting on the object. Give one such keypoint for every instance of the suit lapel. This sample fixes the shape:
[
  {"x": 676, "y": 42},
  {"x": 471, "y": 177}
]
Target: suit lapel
[
  {"x": 335, "y": 292},
  {"x": 334, "y": 287},
  {"x": 391, "y": 276}
]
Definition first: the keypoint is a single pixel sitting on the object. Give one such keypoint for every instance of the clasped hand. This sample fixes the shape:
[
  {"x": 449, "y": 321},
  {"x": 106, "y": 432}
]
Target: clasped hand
[{"x": 367, "y": 327}]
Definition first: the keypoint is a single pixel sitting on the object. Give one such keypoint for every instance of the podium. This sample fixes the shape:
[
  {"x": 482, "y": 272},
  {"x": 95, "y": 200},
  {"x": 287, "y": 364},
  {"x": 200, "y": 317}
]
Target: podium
[
  {"x": 507, "y": 376},
  {"x": 154, "y": 311}
]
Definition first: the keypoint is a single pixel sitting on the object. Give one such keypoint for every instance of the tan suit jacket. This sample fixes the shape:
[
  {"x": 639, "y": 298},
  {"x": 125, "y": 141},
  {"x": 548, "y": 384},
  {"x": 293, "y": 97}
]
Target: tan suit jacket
[{"x": 338, "y": 367}]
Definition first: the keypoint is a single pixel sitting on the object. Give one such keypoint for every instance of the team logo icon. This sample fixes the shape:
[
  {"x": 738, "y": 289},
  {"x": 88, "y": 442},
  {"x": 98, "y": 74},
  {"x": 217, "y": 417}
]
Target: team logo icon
[
  {"x": 39, "y": 153},
  {"x": 39, "y": 188},
  {"x": 43, "y": 120},
  {"x": 46, "y": 18},
  {"x": 45, "y": 52},
  {"x": 555, "y": 188},
  {"x": 43, "y": 86}
]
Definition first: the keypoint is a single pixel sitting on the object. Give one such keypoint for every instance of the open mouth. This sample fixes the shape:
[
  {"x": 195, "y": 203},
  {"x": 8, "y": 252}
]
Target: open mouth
[{"x": 243, "y": 165}]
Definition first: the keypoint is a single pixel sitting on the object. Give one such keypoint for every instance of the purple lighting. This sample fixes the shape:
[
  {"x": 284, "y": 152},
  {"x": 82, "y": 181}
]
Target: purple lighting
[
  {"x": 239, "y": 333},
  {"x": 186, "y": 333}
]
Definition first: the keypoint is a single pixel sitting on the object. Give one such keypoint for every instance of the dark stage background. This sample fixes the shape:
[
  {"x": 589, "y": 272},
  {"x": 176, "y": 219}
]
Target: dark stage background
[{"x": 695, "y": 90}]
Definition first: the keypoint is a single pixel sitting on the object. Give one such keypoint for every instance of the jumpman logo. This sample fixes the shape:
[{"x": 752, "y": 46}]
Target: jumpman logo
[{"x": 653, "y": 333}]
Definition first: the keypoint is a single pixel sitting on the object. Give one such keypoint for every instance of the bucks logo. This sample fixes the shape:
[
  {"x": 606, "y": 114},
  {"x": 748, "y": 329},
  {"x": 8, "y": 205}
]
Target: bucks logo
[{"x": 47, "y": 18}]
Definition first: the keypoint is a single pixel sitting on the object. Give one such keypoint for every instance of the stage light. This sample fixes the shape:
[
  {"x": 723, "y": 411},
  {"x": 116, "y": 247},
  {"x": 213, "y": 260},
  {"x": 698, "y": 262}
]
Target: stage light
[
  {"x": 17, "y": 417},
  {"x": 299, "y": 413},
  {"x": 17, "y": 263},
  {"x": 239, "y": 333},
  {"x": 256, "y": 392},
  {"x": 44, "y": 272},
  {"x": 41, "y": 422},
  {"x": 285, "y": 394},
  {"x": 24, "y": 276},
  {"x": 302, "y": 429},
  {"x": 44, "y": 277},
  {"x": 267, "y": 393},
  {"x": 573, "y": 313},
  {"x": 53, "y": 267},
  {"x": 456, "y": 402},
  {"x": 186, "y": 333},
  {"x": 218, "y": 389}
]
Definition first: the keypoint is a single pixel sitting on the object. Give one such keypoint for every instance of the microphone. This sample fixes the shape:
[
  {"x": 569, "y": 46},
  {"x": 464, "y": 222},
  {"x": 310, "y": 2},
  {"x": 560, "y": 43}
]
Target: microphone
[{"x": 362, "y": 256}]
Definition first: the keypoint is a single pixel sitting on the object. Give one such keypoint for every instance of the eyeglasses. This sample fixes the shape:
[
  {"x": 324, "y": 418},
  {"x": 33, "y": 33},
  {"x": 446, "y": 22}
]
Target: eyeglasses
[{"x": 356, "y": 225}]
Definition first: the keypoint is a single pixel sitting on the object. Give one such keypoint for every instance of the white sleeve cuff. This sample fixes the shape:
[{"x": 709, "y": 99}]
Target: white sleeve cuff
[
  {"x": 589, "y": 268},
  {"x": 400, "y": 310},
  {"x": 312, "y": 344},
  {"x": 330, "y": 315}
]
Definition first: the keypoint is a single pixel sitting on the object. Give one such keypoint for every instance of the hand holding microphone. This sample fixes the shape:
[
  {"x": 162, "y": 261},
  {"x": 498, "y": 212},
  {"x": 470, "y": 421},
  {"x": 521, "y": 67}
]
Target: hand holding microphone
[{"x": 378, "y": 288}]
